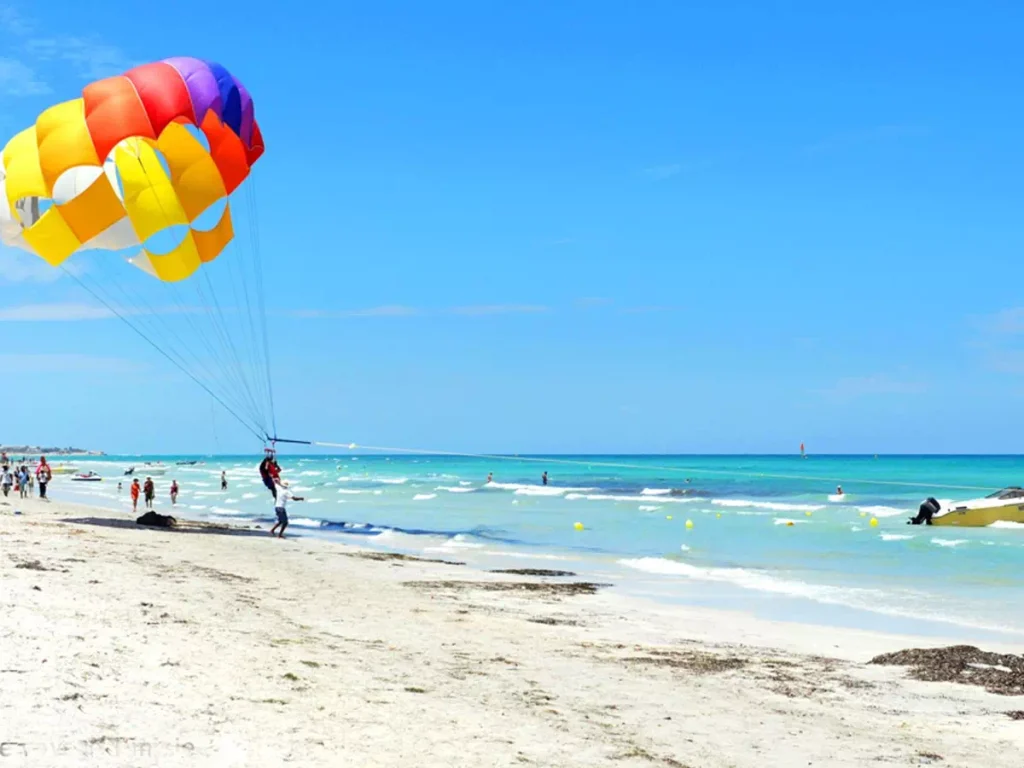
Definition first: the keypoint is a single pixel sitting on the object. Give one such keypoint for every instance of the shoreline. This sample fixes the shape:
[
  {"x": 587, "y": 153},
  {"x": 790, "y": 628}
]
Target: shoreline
[
  {"x": 633, "y": 585},
  {"x": 199, "y": 648}
]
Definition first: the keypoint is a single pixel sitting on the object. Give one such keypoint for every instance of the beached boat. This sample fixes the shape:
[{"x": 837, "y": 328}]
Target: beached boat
[
  {"x": 63, "y": 469},
  {"x": 1006, "y": 505}
]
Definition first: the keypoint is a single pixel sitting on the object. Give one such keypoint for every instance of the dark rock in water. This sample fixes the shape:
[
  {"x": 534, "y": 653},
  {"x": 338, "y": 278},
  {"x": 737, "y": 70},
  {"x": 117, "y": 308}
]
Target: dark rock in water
[
  {"x": 533, "y": 572},
  {"x": 156, "y": 520},
  {"x": 999, "y": 673}
]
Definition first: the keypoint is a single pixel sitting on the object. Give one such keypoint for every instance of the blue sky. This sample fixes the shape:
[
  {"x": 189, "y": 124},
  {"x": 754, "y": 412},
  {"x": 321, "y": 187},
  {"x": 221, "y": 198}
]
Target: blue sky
[{"x": 569, "y": 226}]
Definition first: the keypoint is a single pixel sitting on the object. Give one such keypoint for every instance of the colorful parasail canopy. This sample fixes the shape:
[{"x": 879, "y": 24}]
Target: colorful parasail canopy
[{"x": 137, "y": 155}]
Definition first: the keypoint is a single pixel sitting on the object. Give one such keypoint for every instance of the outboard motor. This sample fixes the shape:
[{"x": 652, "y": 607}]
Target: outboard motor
[{"x": 929, "y": 508}]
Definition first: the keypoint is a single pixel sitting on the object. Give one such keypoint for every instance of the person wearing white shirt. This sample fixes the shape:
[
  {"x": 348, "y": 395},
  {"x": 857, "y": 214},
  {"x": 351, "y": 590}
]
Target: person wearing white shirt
[{"x": 281, "y": 507}]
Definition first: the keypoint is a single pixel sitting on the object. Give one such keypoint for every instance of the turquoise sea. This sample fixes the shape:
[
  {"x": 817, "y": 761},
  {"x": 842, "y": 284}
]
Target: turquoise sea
[{"x": 829, "y": 566}]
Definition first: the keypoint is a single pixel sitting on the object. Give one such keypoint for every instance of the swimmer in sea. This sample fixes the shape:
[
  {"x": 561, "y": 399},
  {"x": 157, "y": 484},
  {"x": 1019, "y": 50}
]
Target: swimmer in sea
[
  {"x": 839, "y": 490},
  {"x": 544, "y": 478},
  {"x": 490, "y": 477}
]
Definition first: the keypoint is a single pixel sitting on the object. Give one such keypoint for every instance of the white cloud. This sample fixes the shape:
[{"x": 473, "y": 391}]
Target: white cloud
[
  {"x": 868, "y": 136},
  {"x": 498, "y": 309},
  {"x": 56, "y": 312},
  {"x": 19, "y": 79},
  {"x": 662, "y": 172},
  {"x": 874, "y": 384},
  {"x": 17, "y": 266},
  {"x": 1008, "y": 322},
  {"x": 64, "y": 363},
  {"x": 394, "y": 310},
  {"x": 592, "y": 302},
  {"x": 91, "y": 58},
  {"x": 646, "y": 310}
]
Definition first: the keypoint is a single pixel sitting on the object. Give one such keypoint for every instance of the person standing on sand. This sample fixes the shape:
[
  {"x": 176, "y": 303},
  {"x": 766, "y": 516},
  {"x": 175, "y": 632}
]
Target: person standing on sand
[
  {"x": 7, "y": 482},
  {"x": 23, "y": 481},
  {"x": 135, "y": 495},
  {"x": 223, "y": 481},
  {"x": 281, "y": 508},
  {"x": 43, "y": 474},
  {"x": 149, "y": 491},
  {"x": 174, "y": 492}
]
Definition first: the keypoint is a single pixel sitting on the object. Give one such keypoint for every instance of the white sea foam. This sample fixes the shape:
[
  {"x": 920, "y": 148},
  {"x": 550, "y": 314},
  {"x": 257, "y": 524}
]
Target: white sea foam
[
  {"x": 1007, "y": 524},
  {"x": 879, "y": 511},
  {"x": 834, "y": 497},
  {"x": 464, "y": 482},
  {"x": 524, "y": 555},
  {"x": 775, "y": 506},
  {"x": 949, "y": 542},
  {"x": 655, "y": 491},
  {"x": 304, "y": 522},
  {"x": 248, "y": 495},
  {"x": 349, "y": 492},
  {"x": 895, "y": 536},
  {"x": 628, "y": 498},
  {"x": 424, "y": 496},
  {"x": 392, "y": 480},
  {"x": 647, "y": 508},
  {"x": 452, "y": 489},
  {"x": 788, "y": 521},
  {"x": 311, "y": 473}
]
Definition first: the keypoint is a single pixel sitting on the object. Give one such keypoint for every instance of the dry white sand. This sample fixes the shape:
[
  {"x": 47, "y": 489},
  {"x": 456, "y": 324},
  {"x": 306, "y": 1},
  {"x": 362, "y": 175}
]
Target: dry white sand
[{"x": 135, "y": 647}]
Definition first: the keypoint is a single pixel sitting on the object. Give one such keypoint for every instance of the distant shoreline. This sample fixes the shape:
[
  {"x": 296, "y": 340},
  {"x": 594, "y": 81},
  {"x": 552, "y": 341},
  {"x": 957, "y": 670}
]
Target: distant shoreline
[{"x": 28, "y": 450}]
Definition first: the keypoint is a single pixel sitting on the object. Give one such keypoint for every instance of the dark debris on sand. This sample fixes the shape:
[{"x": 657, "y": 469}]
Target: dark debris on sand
[
  {"x": 692, "y": 661},
  {"x": 997, "y": 673},
  {"x": 35, "y": 565},
  {"x": 397, "y": 557},
  {"x": 544, "y": 588},
  {"x": 533, "y": 572},
  {"x": 554, "y": 622}
]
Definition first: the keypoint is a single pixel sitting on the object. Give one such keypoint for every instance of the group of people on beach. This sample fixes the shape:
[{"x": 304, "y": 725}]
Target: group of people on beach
[{"x": 22, "y": 480}]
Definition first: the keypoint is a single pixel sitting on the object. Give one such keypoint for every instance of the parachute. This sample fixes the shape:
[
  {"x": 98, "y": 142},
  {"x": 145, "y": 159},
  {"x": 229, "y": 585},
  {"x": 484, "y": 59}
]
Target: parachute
[{"x": 144, "y": 168}]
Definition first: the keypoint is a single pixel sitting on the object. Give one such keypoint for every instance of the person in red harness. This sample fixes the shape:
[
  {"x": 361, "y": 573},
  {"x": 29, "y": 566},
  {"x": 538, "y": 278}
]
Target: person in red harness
[{"x": 270, "y": 471}]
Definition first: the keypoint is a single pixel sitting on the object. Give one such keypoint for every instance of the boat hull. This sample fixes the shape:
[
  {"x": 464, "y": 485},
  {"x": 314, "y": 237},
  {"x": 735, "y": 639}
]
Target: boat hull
[{"x": 979, "y": 518}]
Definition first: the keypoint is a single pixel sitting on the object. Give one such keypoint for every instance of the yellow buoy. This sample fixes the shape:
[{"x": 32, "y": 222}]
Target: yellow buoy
[
  {"x": 808, "y": 513},
  {"x": 578, "y": 526},
  {"x": 874, "y": 521},
  {"x": 689, "y": 523},
  {"x": 668, "y": 517},
  {"x": 789, "y": 524},
  {"x": 718, "y": 514},
  {"x": 863, "y": 514}
]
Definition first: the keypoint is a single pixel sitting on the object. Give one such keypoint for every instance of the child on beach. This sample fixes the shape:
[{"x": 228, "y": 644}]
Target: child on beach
[
  {"x": 149, "y": 491},
  {"x": 135, "y": 495},
  {"x": 174, "y": 491},
  {"x": 281, "y": 507},
  {"x": 8, "y": 480},
  {"x": 43, "y": 474}
]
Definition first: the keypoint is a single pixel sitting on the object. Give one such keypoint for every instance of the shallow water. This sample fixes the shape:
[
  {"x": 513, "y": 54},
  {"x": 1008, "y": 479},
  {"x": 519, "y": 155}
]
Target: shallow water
[{"x": 769, "y": 534}]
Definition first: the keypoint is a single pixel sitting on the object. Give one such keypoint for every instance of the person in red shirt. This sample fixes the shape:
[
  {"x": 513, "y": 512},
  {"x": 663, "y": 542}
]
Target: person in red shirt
[{"x": 135, "y": 495}]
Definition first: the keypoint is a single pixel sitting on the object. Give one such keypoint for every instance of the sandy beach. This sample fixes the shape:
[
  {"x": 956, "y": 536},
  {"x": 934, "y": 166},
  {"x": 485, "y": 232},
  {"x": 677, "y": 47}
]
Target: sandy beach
[{"x": 124, "y": 646}]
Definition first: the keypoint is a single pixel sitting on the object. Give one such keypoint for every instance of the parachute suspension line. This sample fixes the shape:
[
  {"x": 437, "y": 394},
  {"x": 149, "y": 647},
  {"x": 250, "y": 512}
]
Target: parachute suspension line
[
  {"x": 260, "y": 295},
  {"x": 647, "y": 467},
  {"x": 144, "y": 310},
  {"x": 230, "y": 345},
  {"x": 239, "y": 377},
  {"x": 171, "y": 359}
]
